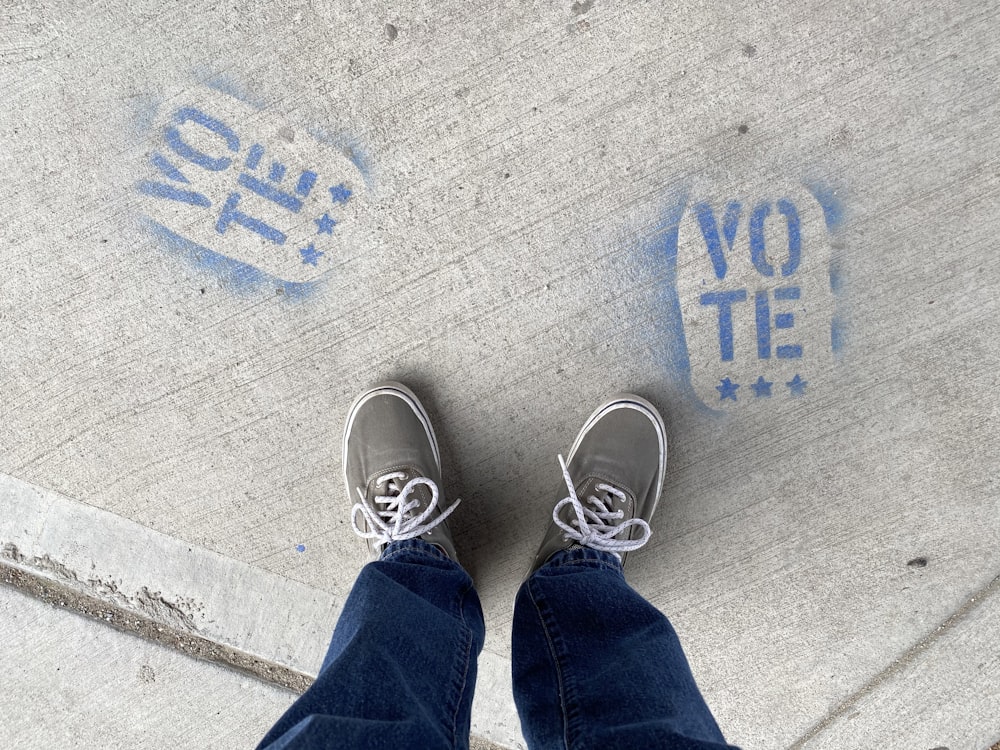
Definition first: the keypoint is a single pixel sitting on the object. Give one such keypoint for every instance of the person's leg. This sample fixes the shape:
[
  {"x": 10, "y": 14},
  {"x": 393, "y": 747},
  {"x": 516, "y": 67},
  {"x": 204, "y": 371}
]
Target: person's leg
[
  {"x": 401, "y": 668},
  {"x": 594, "y": 664},
  {"x": 597, "y": 666}
]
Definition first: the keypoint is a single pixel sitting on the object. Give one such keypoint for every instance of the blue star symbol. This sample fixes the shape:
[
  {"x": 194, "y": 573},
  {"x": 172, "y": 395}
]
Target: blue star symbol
[
  {"x": 340, "y": 193},
  {"x": 727, "y": 389},
  {"x": 311, "y": 255},
  {"x": 762, "y": 388},
  {"x": 797, "y": 385},
  {"x": 325, "y": 224}
]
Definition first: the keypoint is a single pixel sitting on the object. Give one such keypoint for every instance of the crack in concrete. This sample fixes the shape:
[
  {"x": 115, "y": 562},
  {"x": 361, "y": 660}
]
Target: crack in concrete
[{"x": 897, "y": 666}]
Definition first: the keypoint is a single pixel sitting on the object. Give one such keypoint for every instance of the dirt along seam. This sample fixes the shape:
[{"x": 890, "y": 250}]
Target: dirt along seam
[{"x": 172, "y": 630}]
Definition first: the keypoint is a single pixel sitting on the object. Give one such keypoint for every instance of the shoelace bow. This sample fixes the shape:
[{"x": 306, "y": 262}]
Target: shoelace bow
[
  {"x": 593, "y": 527},
  {"x": 391, "y": 518}
]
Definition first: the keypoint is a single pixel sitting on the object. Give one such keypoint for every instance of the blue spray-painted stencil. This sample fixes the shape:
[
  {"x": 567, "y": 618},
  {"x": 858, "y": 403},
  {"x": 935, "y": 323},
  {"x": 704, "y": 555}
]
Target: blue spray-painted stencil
[
  {"x": 762, "y": 388},
  {"x": 755, "y": 295},
  {"x": 238, "y": 191}
]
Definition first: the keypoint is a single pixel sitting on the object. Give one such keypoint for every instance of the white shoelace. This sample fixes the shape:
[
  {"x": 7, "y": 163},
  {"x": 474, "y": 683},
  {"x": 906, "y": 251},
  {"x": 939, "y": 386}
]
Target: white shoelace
[
  {"x": 593, "y": 527},
  {"x": 391, "y": 518}
]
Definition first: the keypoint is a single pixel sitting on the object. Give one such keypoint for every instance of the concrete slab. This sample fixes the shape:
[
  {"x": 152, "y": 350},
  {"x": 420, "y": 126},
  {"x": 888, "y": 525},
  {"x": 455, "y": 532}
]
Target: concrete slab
[
  {"x": 942, "y": 692},
  {"x": 73, "y": 683},
  {"x": 534, "y": 207}
]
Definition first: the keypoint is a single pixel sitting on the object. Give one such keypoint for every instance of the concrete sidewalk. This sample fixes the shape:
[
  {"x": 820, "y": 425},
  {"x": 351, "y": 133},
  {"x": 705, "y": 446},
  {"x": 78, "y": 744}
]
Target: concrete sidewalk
[
  {"x": 774, "y": 221},
  {"x": 74, "y": 683}
]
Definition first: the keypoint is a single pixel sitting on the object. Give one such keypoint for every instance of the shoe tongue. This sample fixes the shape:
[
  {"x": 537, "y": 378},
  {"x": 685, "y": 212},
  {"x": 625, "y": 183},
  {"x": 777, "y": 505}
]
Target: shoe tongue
[
  {"x": 422, "y": 493},
  {"x": 418, "y": 491},
  {"x": 589, "y": 489}
]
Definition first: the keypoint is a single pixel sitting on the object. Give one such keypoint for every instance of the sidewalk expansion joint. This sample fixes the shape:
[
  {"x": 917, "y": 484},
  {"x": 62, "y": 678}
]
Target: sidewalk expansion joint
[
  {"x": 898, "y": 665},
  {"x": 172, "y": 635}
]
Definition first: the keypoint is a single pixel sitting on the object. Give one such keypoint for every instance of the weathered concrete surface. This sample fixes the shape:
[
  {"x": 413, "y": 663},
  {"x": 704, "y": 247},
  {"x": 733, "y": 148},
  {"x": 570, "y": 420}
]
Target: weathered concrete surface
[
  {"x": 509, "y": 250},
  {"x": 942, "y": 692},
  {"x": 69, "y": 682}
]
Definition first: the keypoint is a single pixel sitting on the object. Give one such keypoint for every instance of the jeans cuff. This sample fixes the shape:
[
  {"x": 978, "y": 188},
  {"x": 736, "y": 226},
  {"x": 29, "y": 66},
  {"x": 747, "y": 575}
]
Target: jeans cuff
[
  {"x": 583, "y": 557},
  {"x": 414, "y": 550}
]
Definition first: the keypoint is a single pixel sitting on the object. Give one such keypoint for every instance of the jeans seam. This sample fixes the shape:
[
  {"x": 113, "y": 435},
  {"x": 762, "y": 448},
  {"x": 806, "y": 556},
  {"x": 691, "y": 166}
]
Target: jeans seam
[
  {"x": 560, "y": 681},
  {"x": 464, "y": 671},
  {"x": 467, "y": 643},
  {"x": 464, "y": 642}
]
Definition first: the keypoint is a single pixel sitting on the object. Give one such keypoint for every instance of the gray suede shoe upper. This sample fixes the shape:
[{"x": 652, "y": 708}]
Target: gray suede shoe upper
[
  {"x": 616, "y": 468},
  {"x": 391, "y": 455}
]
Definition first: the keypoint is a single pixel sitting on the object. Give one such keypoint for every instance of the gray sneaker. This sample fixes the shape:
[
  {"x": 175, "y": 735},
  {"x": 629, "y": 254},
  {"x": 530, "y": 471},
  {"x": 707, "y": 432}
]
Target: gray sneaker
[
  {"x": 614, "y": 476},
  {"x": 393, "y": 466}
]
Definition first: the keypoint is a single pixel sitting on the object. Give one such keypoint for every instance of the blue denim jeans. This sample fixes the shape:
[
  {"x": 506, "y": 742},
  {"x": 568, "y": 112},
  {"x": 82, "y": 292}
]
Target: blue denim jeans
[{"x": 594, "y": 664}]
